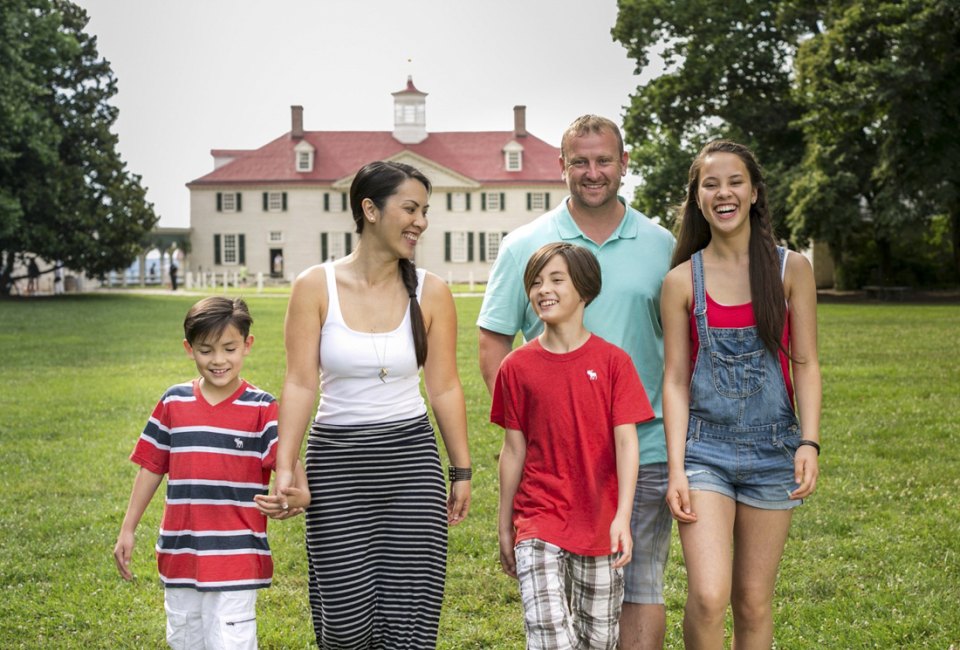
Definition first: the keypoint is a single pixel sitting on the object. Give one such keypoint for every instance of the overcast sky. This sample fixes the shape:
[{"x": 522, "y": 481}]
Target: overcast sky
[{"x": 196, "y": 75}]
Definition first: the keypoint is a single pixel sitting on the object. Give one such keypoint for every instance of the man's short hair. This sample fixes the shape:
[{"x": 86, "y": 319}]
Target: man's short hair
[{"x": 589, "y": 124}]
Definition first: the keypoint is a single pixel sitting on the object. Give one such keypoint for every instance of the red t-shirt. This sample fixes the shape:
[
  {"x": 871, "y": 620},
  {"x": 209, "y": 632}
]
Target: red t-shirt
[
  {"x": 566, "y": 406},
  {"x": 737, "y": 316}
]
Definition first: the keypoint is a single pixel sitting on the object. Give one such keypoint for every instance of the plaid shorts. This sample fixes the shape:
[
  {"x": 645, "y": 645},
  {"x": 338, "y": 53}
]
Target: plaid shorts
[{"x": 570, "y": 601}]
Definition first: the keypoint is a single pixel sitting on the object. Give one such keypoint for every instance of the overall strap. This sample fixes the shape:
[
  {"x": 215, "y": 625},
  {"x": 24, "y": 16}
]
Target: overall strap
[
  {"x": 782, "y": 252},
  {"x": 700, "y": 299}
]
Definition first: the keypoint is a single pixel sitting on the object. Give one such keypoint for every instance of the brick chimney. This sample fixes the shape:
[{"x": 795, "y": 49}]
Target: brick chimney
[
  {"x": 520, "y": 121},
  {"x": 296, "y": 118}
]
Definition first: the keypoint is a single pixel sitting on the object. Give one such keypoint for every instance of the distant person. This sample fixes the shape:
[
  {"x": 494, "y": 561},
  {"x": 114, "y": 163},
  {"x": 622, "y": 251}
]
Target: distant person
[
  {"x": 33, "y": 277},
  {"x": 738, "y": 313},
  {"x": 58, "y": 279},
  {"x": 278, "y": 265},
  {"x": 153, "y": 271},
  {"x": 569, "y": 402},
  {"x": 634, "y": 255},
  {"x": 215, "y": 437},
  {"x": 360, "y": 330},
  {"x": 173, "y": 275}
]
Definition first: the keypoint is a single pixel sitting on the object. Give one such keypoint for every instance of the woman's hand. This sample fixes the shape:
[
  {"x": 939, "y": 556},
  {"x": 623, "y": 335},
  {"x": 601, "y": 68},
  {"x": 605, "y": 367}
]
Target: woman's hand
[
  {"x": 285, "y": 500},
  {"x": 458, "y": 502}
]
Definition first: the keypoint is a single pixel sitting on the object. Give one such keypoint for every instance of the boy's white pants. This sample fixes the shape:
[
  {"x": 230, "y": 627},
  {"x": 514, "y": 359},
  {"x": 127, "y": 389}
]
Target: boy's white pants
[{"x": 211, "y": 620}]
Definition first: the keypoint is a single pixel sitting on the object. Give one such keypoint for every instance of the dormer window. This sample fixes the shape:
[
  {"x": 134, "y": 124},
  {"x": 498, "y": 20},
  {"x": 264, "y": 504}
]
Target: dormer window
[
  {"x": 304, "y": 161},
  {"x": 513, "y": 157},
  {"x": 304, "y": 153}
]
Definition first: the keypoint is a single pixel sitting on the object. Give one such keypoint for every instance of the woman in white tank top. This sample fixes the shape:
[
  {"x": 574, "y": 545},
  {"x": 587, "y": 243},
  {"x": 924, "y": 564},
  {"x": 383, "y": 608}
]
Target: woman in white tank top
[{"x": 361, "y": 328}]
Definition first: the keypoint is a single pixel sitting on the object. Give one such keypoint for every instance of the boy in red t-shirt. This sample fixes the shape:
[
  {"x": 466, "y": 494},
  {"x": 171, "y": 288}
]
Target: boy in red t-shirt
[
  {"x": 569, "y": 402},
  {"x": 215, "y": 438}
]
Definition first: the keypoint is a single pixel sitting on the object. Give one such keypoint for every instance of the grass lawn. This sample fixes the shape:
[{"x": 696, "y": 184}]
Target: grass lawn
[{"x": 872, "y": 560}]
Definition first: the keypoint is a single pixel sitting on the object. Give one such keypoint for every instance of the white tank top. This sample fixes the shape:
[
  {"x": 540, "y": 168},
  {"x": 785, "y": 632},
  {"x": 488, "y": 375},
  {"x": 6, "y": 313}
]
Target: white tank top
[{"x": 351, "y": 389}]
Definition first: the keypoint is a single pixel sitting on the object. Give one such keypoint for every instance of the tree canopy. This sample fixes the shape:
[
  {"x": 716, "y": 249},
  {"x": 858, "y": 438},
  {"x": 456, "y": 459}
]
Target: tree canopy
[
  {"x": 65, "y": 193},
  {"x": 851, "y": 106}
]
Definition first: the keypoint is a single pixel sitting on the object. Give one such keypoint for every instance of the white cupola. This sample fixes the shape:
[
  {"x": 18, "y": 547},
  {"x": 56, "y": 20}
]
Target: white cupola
[{"x": 410, "y": 114}]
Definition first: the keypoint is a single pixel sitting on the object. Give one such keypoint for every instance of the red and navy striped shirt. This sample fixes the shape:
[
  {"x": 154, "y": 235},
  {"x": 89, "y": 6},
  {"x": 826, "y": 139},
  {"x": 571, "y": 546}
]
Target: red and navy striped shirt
[{"x": 216, "y": 458}]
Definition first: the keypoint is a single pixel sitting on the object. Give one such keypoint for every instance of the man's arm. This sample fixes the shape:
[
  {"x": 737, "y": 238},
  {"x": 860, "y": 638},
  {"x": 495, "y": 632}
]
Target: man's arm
[{"x": 493, "y": 347}]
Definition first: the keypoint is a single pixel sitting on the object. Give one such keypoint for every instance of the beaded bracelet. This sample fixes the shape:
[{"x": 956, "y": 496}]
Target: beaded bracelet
[
  {"x": 460, "y": 473},
  {"x": 810, "y": 443}
]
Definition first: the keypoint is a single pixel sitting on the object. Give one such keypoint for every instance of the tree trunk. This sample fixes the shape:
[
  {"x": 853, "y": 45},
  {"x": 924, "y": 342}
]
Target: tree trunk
[
  {"x": 6, "y": 272},
  {"x": 885, "y": 259},
  {"x": 955, "y": 239}
]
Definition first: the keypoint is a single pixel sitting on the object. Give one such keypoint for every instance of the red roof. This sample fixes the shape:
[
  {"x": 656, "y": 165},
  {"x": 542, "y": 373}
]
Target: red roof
[{"x": 339, "y": 154}]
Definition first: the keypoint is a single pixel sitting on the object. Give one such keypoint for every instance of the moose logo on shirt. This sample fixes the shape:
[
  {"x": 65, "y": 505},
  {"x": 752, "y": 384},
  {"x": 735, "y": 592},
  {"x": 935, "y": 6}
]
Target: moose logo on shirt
[{"x": 592, "y": 374}]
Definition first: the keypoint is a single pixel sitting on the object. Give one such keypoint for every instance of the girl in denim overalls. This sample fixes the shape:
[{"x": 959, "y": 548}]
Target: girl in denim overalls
[{"x": 738, "y": 313}]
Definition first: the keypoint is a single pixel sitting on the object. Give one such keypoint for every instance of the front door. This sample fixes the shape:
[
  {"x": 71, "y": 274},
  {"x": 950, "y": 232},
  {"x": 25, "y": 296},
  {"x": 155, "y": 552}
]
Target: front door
[{"x": 276, "y": 262}]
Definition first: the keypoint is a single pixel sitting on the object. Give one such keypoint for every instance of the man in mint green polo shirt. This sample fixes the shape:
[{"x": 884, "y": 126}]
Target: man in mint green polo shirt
[{"x": 634, "y": 255}]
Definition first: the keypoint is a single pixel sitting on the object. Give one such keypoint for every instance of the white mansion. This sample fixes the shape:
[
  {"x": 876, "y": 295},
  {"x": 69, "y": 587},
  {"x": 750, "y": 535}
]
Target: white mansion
[{"x": 283, "y": 207}]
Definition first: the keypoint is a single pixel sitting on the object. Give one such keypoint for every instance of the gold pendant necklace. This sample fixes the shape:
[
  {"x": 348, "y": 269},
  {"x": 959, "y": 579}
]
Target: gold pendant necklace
[{"x": 381, "y": 359}]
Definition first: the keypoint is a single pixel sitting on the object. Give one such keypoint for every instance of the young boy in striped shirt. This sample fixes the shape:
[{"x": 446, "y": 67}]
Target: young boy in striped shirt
[{"x": 215, "y": 438}]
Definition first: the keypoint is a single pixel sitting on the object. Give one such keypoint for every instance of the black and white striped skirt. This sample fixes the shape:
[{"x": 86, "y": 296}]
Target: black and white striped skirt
[{"x": 376, "y": 535}]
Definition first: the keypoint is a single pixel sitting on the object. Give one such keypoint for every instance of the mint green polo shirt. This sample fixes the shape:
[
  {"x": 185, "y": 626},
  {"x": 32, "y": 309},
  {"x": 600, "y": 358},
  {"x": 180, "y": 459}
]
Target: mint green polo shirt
[{"x": 633, "y": 262}]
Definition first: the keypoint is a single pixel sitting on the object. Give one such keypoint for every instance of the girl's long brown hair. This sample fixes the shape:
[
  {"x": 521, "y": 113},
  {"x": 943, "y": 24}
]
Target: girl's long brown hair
[{"x": 693, "y": 234}]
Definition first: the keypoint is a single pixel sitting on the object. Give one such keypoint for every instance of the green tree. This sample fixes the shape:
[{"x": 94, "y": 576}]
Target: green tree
[
  {"x": 65, "y": 193},
  {"x": 880, "y": 87},
  {"x": 729, "y": 75}
]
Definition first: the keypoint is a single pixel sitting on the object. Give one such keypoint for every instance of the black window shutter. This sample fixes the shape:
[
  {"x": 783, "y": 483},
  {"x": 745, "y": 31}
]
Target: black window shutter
[
  {"x": 216, "y": 249},
  {"x": 219, "y": 201},
  {"x": 446, "y": 247},
  {"x": 265, "y": 203},
  {"x": 349, "y": 242},
  {"x": 468, "y": 201},
  {"x": 469, "y": 246},
  {"x": 449, "y": 202},
  {"x": 503, "y": 201},
  {"x": 323, "y": 247},
  {"x": 326, "y": 202},
  {"x": 284, "y": 202},
  {"x": 239, "y": 202},
  {"x": 343, "y": 201},
  {"x": 242, "y": 248},
  {"x": 483, "y": 246},
  {"x": 483, "y": 200},
  {"x": 529, "y": 200},
  {"x": 546, "y": 201}
]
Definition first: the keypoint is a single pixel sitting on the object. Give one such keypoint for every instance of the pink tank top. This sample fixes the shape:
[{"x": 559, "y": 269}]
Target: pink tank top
[{"x": 736, "y": 316}]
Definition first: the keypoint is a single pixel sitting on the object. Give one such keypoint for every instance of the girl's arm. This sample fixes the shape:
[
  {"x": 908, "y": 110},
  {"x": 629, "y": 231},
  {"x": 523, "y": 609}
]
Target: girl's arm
[
  {"x": 444, "y": 389},
  {"x": 676, "y": 297},
  {"x": 301, "y": 337},
  {"x": 801, "y": 291},
  {"x": 628, "y": 464},
  {"x": 513, "y": 454}
]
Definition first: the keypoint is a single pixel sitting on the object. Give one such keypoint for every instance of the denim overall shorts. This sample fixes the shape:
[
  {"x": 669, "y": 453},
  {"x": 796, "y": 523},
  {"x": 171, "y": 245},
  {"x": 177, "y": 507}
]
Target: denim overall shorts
[{"x": 743, "y": 432}]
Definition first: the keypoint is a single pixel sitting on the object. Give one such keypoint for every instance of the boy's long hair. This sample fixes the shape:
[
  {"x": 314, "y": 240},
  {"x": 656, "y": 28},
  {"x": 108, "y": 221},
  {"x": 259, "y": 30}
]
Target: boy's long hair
[
  {"x": 582, "y": 265},
  {"x": 693, "y": 234},
  {"x": 208, "y": 318},
  {"x": 378, "y": 181}
]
